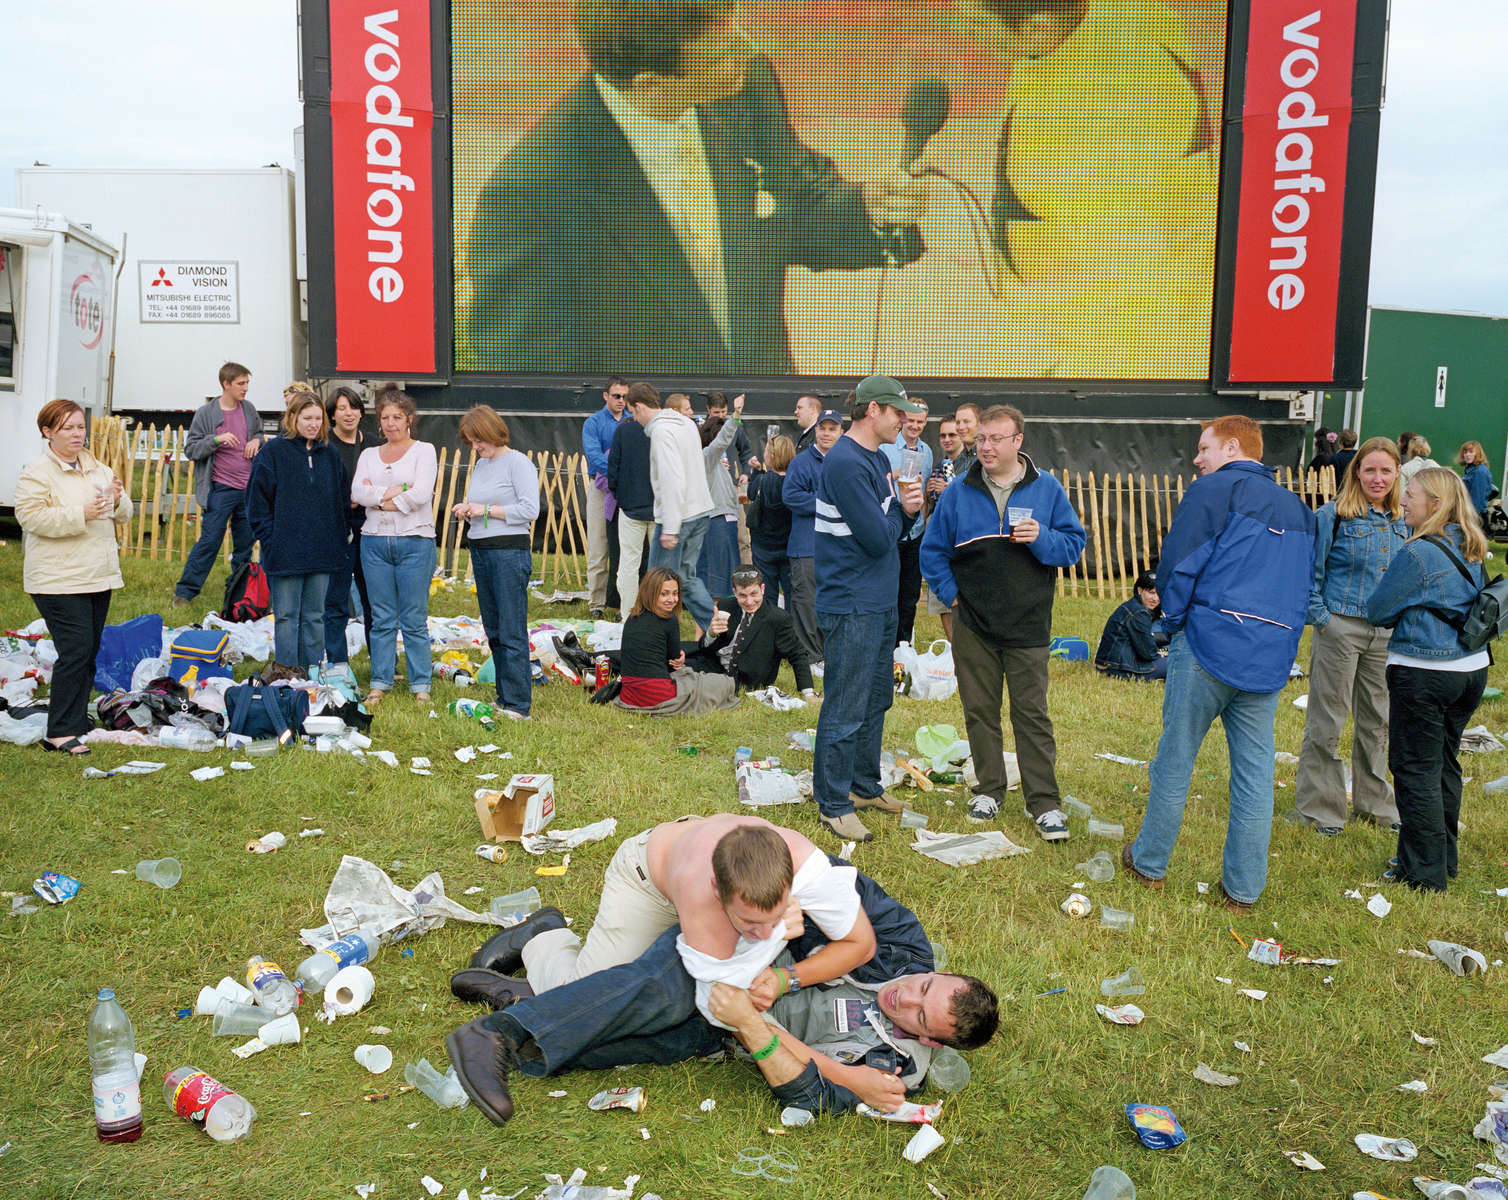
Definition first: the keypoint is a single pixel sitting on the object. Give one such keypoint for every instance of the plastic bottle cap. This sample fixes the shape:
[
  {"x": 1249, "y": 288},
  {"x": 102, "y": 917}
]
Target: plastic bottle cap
[{"x": 106, "y": 993}]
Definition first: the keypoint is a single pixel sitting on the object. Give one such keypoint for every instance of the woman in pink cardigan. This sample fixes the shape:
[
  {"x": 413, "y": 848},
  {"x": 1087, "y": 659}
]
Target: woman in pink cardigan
[{"x": 396, "y": 484}]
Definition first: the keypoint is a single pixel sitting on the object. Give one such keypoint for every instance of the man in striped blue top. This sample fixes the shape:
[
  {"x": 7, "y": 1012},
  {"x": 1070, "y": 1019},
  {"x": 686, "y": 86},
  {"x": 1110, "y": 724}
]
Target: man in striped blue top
[{"x": 859, "y": 520}]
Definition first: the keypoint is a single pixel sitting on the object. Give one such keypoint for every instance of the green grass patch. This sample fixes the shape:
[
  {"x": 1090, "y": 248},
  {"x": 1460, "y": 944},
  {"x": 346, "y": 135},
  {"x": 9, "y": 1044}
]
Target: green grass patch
[{"x": 1044, "y": 1107}]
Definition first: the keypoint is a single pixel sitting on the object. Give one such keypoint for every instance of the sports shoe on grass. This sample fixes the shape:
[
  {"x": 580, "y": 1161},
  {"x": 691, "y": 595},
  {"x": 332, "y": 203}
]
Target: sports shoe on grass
[
  {"x": 884, "y": 801},
  {"x": 1052, "y": 826},
  {"x": 983, "y": 808},
  {"x": 848, "y": 827}
]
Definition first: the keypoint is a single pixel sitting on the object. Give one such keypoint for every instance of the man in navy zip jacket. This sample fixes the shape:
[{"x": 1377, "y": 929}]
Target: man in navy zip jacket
[
  {"x": 991, "y": 554},
  {"x": 799, "y": 495},
  {"x": 859, "y": 519},
  {"x": 1234, "y": 579}
]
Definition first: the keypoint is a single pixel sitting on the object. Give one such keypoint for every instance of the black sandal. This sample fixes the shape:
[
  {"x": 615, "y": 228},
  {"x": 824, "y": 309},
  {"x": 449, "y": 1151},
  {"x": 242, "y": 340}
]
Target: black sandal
[{"x": 71, "y": 746}]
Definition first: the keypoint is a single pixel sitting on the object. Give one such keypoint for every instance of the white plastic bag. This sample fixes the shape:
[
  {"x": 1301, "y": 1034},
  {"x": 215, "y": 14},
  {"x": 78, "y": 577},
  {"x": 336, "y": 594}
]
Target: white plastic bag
[
  {"x": 931, "y": 674},
  {"x": 23, "y": 733},
  {"x": 147, "y": 670}
]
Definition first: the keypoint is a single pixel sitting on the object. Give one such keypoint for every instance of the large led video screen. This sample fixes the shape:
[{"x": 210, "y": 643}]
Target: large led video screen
[{"x": 662, "y": 187}]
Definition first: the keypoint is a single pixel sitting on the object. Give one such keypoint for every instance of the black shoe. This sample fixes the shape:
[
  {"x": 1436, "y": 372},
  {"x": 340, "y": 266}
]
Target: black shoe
[
  {"x": 503, "y": 952},
  {"x": 477, "y": 985},
  {"x": 482, "y": 1059}
]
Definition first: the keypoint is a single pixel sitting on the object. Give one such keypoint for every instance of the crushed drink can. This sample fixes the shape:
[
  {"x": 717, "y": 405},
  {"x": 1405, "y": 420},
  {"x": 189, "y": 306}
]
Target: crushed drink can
[
  {"x": 631, "y": 1098},
  {"x": 492, "y": 853}
]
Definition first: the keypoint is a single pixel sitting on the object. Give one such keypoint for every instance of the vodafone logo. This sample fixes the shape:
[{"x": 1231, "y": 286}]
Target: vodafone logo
[{"x": 86, "y": 303}]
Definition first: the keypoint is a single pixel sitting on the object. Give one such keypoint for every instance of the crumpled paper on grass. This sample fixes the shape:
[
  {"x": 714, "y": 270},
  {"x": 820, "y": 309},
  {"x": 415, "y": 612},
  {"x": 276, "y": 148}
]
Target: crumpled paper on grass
[
  {"x": 773, "y": 697},
  {"x": 965, "y": 849},
  {"x": 557, "y": 840},
  {"x": 1480, "y": 740},
  {"x": 762, "y": 786},
  {"x": 363, "y": 896},
  {"x": 1493, "y": 1127}
]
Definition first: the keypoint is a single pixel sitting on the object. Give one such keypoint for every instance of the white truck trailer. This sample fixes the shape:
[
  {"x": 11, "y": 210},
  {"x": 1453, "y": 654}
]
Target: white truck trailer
[{"x": 57, "y": 284}]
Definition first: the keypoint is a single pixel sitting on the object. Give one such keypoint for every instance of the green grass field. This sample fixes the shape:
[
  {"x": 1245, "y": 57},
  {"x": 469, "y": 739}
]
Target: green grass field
[{"x": 1045, "y": 1104}]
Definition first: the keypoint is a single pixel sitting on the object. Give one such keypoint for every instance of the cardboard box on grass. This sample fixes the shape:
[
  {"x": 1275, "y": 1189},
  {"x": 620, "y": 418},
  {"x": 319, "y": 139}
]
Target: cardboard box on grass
[{"x": 525, "y": 806}]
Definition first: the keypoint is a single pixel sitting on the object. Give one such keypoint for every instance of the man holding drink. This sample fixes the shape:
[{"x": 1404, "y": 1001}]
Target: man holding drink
[
  {"x": 910, "y": 458},
  {"x": 990, "y": 553}
]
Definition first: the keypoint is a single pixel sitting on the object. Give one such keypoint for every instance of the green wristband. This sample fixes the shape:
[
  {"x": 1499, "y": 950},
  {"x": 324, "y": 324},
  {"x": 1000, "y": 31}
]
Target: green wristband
[{"x": 769, "y": 1049}]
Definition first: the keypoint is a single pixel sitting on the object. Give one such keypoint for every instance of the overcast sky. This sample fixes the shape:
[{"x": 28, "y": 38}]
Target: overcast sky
[{"x": 176, "y": 83}]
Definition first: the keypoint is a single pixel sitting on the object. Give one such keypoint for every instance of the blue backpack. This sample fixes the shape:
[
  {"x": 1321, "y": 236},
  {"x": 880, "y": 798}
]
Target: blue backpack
[{"x": 261, "y": 710}]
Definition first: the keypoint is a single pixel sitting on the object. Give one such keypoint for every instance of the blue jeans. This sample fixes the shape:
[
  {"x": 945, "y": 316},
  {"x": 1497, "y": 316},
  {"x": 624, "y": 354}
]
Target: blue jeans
[
  {"x": 776, "y": 569},
  {"x": 340, "y": 604},
  {"x": 643, "y": 1011},
  {"x": 719, "y": 556},
  {"x": 859, "y": 689},
  {"x": 227, "y": 506},
  {"x": 298, "y": 627},
  {"x": 1194, "y": 698},
  {"x": 502, "y": 591},
  {"x": 398, "y": 571},
  {"x": 682, "y": 560}
]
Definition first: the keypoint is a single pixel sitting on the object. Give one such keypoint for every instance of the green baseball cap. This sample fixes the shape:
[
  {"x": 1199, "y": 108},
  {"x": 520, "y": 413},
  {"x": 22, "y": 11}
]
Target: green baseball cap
[{"x": 881, "y": 389}]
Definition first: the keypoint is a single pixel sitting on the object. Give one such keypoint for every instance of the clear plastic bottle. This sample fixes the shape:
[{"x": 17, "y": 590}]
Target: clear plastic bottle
[
  {"x": 320, "y": 967},
  {"x": 191, "y": 737},
  {"x": 208, "y": 1103},
  {"x": 112, "y": 1070},
  {"x": 271, "y": 986}
]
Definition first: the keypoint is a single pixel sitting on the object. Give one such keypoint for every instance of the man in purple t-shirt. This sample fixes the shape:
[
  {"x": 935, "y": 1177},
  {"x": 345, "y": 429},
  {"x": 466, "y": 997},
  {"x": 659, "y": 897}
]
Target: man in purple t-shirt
[{"x": 223, "y": 438}]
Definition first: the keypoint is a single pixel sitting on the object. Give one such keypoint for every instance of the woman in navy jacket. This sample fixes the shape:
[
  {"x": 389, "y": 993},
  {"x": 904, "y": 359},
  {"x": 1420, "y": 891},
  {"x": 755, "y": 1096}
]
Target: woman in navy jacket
[
  {"x": 1434, "y": 682},
  {"x": 299, "y": 503}
]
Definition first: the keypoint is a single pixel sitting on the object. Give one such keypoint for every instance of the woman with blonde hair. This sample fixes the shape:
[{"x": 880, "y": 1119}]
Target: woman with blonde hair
[
  {"x": 1358, "y": 534},
  {"x": 1416, "y": 458},
  {"x": 770, "y": 519},
  {"x": 298, "y": 503},
  {"x": 1477, "y": 475},
  {"x": 1434, "y": 682},
  {"x": 68, "y": 504}
]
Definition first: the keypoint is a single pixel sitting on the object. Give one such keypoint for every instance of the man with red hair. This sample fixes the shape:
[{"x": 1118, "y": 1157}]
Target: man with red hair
[{"x": 1234, "y": 579}]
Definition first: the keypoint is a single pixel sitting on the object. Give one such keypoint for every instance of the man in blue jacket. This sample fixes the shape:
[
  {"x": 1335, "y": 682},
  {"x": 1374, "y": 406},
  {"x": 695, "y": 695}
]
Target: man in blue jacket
[
  {"x": 860, "y": 517},
  {"x": 601, "y": 510},
  {"x": 1234, "y": 580},
  {"x": 991, "y": 554},
  {"x": 799, "y": 495}
]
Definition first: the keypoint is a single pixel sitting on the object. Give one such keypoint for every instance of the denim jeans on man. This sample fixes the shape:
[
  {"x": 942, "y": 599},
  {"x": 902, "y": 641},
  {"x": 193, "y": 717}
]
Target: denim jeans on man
[
  {"x": 682, "y": 559},
  {"x": 398, "y": 571},
  {"x": 227, "y": 506},
  {"x": 1194, "y": 698},
  {"x": 502, "y": 592},
  {"x": 298, "y": 611},
  {"x": 859, "y": 689}
]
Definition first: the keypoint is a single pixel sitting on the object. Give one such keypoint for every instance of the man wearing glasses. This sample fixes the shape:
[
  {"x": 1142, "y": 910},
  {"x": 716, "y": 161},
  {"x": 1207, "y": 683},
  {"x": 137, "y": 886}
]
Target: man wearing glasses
[
  {"x": 601, "y": 509},
  {"x": 990, "y": 553}
]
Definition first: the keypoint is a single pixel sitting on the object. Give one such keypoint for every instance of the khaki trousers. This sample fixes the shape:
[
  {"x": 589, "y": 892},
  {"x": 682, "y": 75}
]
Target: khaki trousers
[
  {"x": 597, "y": 564},
  {"x": 1347, "y": 674}
]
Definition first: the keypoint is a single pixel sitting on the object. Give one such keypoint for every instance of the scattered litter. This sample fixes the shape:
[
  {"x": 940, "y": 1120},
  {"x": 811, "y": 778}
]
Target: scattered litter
[
  {"x": 375, "y": 1059},
  {"x": 1242, "y": 1046},
  {"x": 365, "y": 1189},
  {"x": 922, "y": 1143},
  {"x": 1077, "y": 905},
  {"x": 1128, "y": 983},
  {"x": 56, "y": 888},
  {"x": 267, "y": 843},
  {"x": 906, "y": 1114},
  {"x": 419, "y": 771},
  {"x": 1302, "y": 1158},
  {"x": 965, "y": 849},
  {"x": 1301, "y": 701},
  {"x": 1480, "y": 740},
  {"x": 755, "y": 1162},
  {"x": 445, "y": 1090},
  {"x": 556, "y": 1095},
  {"x": 1205, "y": 1073},
  {"x": 489, "y": 775},
  {"x": 1266, "y": 951},
  {"x": 708, "y": 1104},
  {"x": 363, "y": 895},
  {"x": 471, "y": 891},
  {"x": 1121, "y": 1014},
  {"x": 385, "y": 756},
  {"x": 1414, "y": 1085},
  {"x": 1386, "y": 1149},
  {"x": 773, "y": 697},
  {"x": 1379, "y": 905},
  {"x": 379, "y": 1030},
  {"x": 134, "y": 767},
  {"x": 760, "y": 787},
  {"x": 556, "y": 870},
  {"x": 1156, "y": 1126},
  {"x": 644, "y": 1133},
  {"x": 1224, "y": 980},
  {"x": 1125, "y": 762},
  {"x": 1254, "y": 993},
  {"x": 634, "y": 1099},
  {"x": 465, "y": 754},
  {"x": 558, "y": 840},
  {"x": 1353, "y": 894},
  {"x": 1461, "y": 959},
  {"x": 433, "y": 1186},
  {"x": 309, "y": 833},
  {"x": 202, "y": 774},
  {"x": 796, "y": 1117},
  {"x": 1428, "y": 1041},
  {"x": 242, "y": 765},
  {"x": 1498, "y": 1058},
  {"x": 1282, "y": 756},
  {"x": 1202, "y": 888}
]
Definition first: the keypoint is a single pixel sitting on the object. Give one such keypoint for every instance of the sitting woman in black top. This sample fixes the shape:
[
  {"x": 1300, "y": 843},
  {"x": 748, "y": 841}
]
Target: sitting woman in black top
[
  {"x": 652, "y": 661},
  {"x": 1128, "y": 648}
]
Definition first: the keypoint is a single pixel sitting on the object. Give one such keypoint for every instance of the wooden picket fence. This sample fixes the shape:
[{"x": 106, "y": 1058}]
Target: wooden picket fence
[{"x": 1125, "y": 516}]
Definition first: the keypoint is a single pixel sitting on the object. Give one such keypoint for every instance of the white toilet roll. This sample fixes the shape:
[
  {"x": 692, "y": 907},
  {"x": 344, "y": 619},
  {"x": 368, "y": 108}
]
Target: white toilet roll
[{"x": 349, "y": 990}]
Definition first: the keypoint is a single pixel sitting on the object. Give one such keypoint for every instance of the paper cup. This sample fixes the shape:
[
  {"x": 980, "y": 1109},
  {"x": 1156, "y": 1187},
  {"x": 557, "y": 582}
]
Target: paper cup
[
  {"x": 349, "y": 990},
  {"x": 923, "y": 1142},
  {"x": 235, "y": 991},
  {"x": 207, "y": 1003},
  {"x": 282, "y": 1032},
  {"x": 375, "y": 1059}
]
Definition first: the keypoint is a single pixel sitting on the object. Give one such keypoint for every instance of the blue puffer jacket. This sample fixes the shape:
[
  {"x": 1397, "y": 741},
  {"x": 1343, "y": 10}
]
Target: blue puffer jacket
[
  {"x": 1423, "y": 575},
  {"x": 1236, "y": 570},
  {"x": 298, "y": 501}
]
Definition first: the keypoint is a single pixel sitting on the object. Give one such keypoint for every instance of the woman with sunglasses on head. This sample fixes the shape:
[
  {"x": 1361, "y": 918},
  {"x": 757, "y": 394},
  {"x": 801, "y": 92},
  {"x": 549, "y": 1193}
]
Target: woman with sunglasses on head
[{"x": 1434, "y": 682}]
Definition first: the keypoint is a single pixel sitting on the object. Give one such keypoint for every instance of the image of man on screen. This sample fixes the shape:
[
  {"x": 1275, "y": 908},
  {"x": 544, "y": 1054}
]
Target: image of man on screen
[{"x": 645, "y": 223}]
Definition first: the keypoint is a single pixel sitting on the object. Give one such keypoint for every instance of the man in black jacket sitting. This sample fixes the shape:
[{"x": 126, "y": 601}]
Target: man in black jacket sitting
[{"x": 749, "y": 637}]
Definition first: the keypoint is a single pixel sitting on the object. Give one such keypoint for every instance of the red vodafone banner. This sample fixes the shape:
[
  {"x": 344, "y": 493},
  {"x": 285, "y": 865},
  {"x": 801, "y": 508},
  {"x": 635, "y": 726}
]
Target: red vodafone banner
[
  {"x": 1296, "y": 118},
  {"x": 382, "y": 183}
]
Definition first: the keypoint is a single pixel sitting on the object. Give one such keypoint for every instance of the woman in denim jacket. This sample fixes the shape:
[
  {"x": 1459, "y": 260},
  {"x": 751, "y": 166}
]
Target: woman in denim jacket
[
  {"x": 1476, "y": 472},
  {"x": 1129, "y": 647},
  {"x": 1434, "y": 682},
  {"x": 1359, "y": 533}
]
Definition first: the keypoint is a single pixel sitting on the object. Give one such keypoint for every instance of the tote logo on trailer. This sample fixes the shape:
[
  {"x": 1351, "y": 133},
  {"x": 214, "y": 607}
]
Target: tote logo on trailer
[
  {"x": 1296, "y": 120},
  {"x": 381, "y": 133},
  {"x": 86, "y": 304}
]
